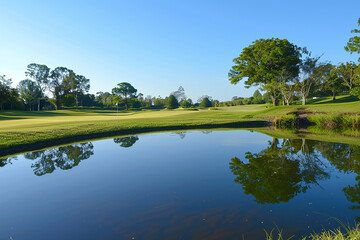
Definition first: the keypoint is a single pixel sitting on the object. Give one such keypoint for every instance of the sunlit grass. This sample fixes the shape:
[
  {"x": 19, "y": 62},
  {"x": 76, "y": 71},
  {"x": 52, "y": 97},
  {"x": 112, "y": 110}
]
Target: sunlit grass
[{"x": 18, "y": 127}]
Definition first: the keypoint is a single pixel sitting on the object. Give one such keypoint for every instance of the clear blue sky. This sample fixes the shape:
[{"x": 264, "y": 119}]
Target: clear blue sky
[{"x": 158, "y": 46}]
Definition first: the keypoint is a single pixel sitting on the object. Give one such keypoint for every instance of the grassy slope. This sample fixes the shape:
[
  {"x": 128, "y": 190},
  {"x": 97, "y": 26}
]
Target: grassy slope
[{"x": 17, "y": 128}]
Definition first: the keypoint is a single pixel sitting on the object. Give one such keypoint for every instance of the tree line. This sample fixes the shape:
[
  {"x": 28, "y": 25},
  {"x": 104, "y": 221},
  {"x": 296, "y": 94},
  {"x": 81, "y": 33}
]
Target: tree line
[
  {"x": 284, "y": 71},
  {"x": 69, "y": 89},
  {"x": 287, "y": 72},
  {"x": 66, "y": 87}
]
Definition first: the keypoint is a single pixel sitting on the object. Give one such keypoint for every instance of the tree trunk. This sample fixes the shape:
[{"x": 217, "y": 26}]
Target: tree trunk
[
  {"x": 57, "y": 100},
  {"x": 39, "y": 105},
  {"x": 275, "y": 101},
  {"x": 334, "y": 90},
  {"x": 304, "y": 100}
]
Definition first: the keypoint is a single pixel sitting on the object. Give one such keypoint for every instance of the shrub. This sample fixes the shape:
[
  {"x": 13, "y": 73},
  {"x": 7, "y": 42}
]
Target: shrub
[
  {"x": 172, "y": 102},
  {"x": 205, "y": 103},
  {"x": 286, "y": 121}
]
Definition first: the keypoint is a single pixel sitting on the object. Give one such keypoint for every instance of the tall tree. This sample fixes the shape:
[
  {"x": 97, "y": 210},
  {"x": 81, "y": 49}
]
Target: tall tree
[
  {"x": 56, "y": 84},
  {"x": 348, "y": 73},
  {"x": 30, "y": 92},
  {"x": 126, "y": 90},
  {"x": 263, "y": 61},
  {"x": 353, "y": 44},
  {"x": 179, "y": 94},
  {"x": 40, "y": 73},
  {"x": 5, "y": 90},
  {"x": 332, "y": 81},
  {"x": 64, "y": 81},
  {"x": 82, "y": 86},
  {"x": 312, "y": 72}
]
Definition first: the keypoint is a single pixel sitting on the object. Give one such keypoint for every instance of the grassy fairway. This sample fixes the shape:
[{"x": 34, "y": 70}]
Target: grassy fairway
[{"x": 19, "y": 128}]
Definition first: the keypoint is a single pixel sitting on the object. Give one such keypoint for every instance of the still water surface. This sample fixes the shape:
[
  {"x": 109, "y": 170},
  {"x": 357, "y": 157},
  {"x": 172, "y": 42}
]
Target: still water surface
[{"x": 184, "y": 185}]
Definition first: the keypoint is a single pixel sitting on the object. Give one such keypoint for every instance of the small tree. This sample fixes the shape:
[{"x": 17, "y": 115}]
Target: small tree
[
  {"x": 185, "y": 103},
  {"x": 205, "y": 103},
  {"x": 257, "y": 97},
  {"x": 171, "y": 102}
]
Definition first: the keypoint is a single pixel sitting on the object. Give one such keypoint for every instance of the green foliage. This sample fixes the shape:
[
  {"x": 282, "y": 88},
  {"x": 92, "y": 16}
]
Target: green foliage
[
  {"x": 125, "y": 90},
  {"x": 171, "y": 102},
  {"x": 257, "y": 97},
  {"x": 205, "y": 103},
  {"x": 335, "y": 120},
  {"x": 264, "y": 61},
  {"x": 29, "y": 91},
  {"x": 353, "y": 44},
  {"x": 64, "y": 81},
  {"x": 286, "y": 121},
  {"x": 273, "y": 175}
]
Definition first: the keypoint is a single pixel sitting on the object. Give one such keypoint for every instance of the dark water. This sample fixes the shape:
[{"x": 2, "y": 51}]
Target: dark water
[{"x": 185, "y": 185}]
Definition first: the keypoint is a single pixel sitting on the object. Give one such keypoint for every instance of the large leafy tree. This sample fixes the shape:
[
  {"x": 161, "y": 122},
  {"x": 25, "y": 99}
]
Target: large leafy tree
[
  {"x": 126, "y": 91},
  {"x": 58, "y": 77},
  {"x": 263, "y": 62},
  {"x": 64, "y": 81},
  {"x": 353, "y": 44},
  {"x": 348, "y": 73},
  {"x": 39, "y": 73},
  {"x": 29, "y": 91}
]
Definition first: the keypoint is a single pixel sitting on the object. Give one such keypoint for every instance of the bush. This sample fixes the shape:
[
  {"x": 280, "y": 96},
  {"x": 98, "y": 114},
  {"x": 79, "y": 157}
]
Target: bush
[
  {"x": 171, "y": 102},
  {"x": 286, "y": 121},
  {"x": 205, "y": 103}
]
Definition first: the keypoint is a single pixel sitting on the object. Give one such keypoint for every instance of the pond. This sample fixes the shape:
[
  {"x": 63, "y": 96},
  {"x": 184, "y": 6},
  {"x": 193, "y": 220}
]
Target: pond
[{"x": 182, "y": 185}]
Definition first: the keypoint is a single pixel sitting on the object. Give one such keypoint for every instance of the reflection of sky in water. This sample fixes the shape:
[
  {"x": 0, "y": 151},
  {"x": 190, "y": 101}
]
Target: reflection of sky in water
[{"x": 169, "y": 185}]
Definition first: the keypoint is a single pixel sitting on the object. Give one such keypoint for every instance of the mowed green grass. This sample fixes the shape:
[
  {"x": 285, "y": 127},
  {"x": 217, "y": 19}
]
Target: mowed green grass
[{"x": 18, "y": 128}]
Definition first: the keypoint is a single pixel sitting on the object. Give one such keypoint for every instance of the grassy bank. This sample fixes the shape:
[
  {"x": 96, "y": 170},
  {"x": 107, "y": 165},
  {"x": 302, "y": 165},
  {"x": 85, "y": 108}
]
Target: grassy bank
[
  {"x": 347, "y": 233},
  {"x": 24, "y": 128}
]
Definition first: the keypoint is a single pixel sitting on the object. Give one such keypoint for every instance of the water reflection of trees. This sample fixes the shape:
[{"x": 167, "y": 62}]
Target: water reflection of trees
[
  {"x": 126, "y": 141},
  {"x": 8, "y": 160},
  {"x": 279, "y": 172},
  {"x": 345, "y": 158},
  {"x": 64, "y": 158}
]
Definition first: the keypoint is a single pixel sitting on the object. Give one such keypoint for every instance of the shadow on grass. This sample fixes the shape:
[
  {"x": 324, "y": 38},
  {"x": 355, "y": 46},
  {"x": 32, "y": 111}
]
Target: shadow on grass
[
  {"x": 25, "y": 114},
  {"x": 338, "y": 100}
]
